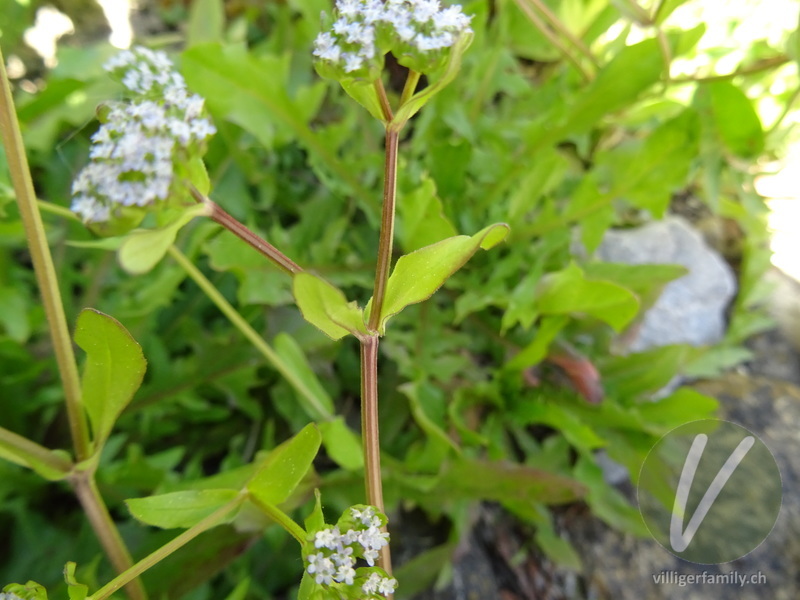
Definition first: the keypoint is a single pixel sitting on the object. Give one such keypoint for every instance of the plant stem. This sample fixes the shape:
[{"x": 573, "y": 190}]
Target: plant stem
[
  {"x": 207, "y": 523},
  {"x": 225, "y": 219},
  {"x": 410, "y": 87},
  {"x": 370, "y": 434},
  {"x": 559, "y": 26},
  {"x": 96, "y": 511},
  {"x": 553, "y": 39},
  {"x": 387, "y": 229},
  {"x": 281, "y": 518},
  {"x": 22, "y": 447},
  {"x": 43, "y": 267},
  {"x": 386, "y": 108},
  {"x": 786, "y": 110},
  {"x": 756, "y": 67},
  {"x": 244, "y": 327}
]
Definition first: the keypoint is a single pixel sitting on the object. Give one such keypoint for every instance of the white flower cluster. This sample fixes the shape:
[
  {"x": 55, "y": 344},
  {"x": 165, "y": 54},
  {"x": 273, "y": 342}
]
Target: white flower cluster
[
  {"x": 9, "y": 596},
  {"x": 367, "y": 29},
  {"x": 336, "y": 559},
  {"x": 134, "y": 152}
]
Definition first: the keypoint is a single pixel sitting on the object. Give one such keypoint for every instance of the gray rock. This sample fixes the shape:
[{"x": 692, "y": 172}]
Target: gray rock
[{"x": 691, "y": 310}]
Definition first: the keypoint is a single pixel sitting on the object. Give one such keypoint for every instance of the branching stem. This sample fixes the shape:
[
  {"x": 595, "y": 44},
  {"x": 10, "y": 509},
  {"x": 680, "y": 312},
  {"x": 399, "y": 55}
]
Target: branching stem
[
  {"x": 387, "y": 229},
  {"x": 212, "y": 520},
  {"x": 110, "y": 539},
  {"x": 43, "y": 267},
  {"x": 221, "y": 216}
]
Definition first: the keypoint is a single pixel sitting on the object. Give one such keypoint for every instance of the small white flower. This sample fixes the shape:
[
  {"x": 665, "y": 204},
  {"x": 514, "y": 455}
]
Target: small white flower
[
  {"x": 371, "y": 556},
  {"x": 352, "y": 62},
  {"x": 387, "y": 586},
  {"x": 370, "y": 586},
  {"x": 327, "y": 538},
  {"x": 343, "y": 556},
  {"x": 345, "y": 574},
  {"x": 321, "y": 567},
  {"x": 373, "y": 538}
]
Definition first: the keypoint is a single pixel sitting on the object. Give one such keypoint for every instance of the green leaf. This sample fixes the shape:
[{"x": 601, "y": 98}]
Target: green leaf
[
  {"x": 256, "y": 95},
  {"x": 196, "y": 563},
  {"x": 505, "y": 481},
  {"x": 606, "y": 502},
  {"x": 316, "y": 520},
  {"x": 647, "y": 176},
  {"x": 568, "y": 291},
  {"x": 53, "y": 465},
  {"x": 535, "y": 352},
  {"x": 142, "y": 249},
  {"x": 421, "y": 218},
  {"x": 416, "y": 391},
  {"x": 198, "y": 175},
  {"x": 316, "y": 402},
  {"x": 533, "y": 411},
  {"x": 365, "y": 94},
  {"x": 180, "y": 509},
  {"x": 341, "y": 444},
  {"x": 114, "y": 369},
  {"x": 30, "y": 591},
  {"x": 646, "y": 281},
  {"x": 206, "y": 22},
  {"x": 666, "y": 9},
  {"x": 325, "y": 306},
  {"x": 14, "y": 313},
  {"x": 240, "y": 591},
  {"x": 418, "y": 275},
  {"x": 284, "y": 467},
  {"x": 557, "y": 548},
  {"x": 731, "y": 117},
  {"x": 617, "y": 85},
  {"x": 682, "y": 406},
  {"x": 76, "y": 591},
  {"x": 645, "y": 372}
]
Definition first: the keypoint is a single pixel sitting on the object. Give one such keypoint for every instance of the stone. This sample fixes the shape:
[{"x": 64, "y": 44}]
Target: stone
[{"x": 691, "y": 310}]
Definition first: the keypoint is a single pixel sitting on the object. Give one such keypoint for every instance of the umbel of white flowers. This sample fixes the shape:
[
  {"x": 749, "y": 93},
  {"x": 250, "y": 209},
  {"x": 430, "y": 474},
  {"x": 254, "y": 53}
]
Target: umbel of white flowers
[
  {"x": 335, "y": 554},
  {"x": 134, "y": 153},
  {"x": 418, "y": 32},
  {"x": 9, "y": 596}
]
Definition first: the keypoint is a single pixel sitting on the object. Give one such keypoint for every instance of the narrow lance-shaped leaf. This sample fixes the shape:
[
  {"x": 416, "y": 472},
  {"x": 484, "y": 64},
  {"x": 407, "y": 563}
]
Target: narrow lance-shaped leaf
[
  {"x": 114, "y": 369},
  {"x": 180, "y": 509},
  {"x": 418, "y": 275},
  {"x": 326, "y": 308}
]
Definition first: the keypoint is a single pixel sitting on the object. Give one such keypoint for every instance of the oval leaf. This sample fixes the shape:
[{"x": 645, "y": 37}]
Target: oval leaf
[
  {"x": 180, "y": 509},
  {"x": 284, "y": 468},
  {"x": 326, "y": 308},
  {"x": 114, "y": 369},
  {"x": 732, "y": 118},
  {"x": 342, "y": 444},
  {"x": 418, "y": 275},
  {"x": 143, "y": 248},
  {"x": 569, "y": 291}
]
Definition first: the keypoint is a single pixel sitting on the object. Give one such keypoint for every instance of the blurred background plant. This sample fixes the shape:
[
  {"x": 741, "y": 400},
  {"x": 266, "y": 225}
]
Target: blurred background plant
[{"x": 570, "y": 117}]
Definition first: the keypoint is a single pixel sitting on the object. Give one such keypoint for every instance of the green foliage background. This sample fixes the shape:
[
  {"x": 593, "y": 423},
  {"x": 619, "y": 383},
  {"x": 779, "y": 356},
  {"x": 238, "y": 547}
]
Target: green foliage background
[{"x": 522, "y": 136}]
